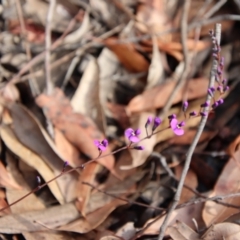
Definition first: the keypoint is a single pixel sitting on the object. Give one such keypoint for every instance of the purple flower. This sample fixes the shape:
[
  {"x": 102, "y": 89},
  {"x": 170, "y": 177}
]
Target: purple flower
[
  {"x": 172, "y": 116},
  {"x": 193, "y": 114},
  {"x": 226, "y": 89},
  {"x": 132, "y": 135},
  {"x": 101, "y": 145},
  {"x": 149, "y": 121},
  {"x": 206, "y": 104},
  {"x": 215, "y": 105},
  {"x": 157, "y": 122},
  {"x": 138, "y": 147},
  {"x": 220, "y": 101},
  {"x": 175, "y": 126},
  {"x": 210, "y": 92},
  {"x": 185, "y": 106},
  {"x": 203, "y": 114},
  {"x": 224, "y": 81}
]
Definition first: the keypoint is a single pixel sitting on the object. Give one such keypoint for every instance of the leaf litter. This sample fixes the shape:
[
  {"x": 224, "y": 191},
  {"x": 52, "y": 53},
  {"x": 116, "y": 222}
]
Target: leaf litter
[{"x": 114, "y": 64}]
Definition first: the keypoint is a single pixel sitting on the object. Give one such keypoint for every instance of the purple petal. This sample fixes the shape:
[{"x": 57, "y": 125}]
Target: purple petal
[
  {"x": 149, "y": 120},
  {"x": 178, "y": 131},
  {"x": 96, "y": 143},
  {"x": 105, "y": 142},
  {"x": 128, "y": 133},
  {"x": 137, "y": 132},
  {"x": 173, "y": 124},
  {"x": 182, "y": 124},
  {"x": 134, "y": 139},
  {"x": 139, "y": 147},
  {"x": 101, "y": 147}
]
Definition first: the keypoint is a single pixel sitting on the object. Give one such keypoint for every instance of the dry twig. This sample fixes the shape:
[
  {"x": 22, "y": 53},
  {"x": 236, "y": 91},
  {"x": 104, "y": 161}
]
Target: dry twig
[{"x": 194, "y": 143}]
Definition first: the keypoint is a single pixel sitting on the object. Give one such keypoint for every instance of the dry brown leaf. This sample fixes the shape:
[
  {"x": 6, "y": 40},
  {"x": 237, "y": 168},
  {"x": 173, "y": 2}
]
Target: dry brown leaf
[
  {"x": 99, "y": 199},
  {"x": 226, "y": 231},
  {"x": 156, "y": 71},
  {"x": 88, "y": 175},
  {"x": 118, "y": 112},
  {"x": 181, "y": 231},
  {"x": 66, "y": 149},
  {"x": 31, "y": 203},
  {"x": 127, "y": 231},
  {"x": 227, "y": 183},
  {"x": 10, "y": 92},
  {"x": 78, "y": 129},
  {"x": 92, "y": 220},
  {"x": 33, "y": 221},
  {"x": 152, "y": 17},
  {"x": 86, "y": 98},
  {"x": 30, "y": 132},
  {"x": 130, "y": 58},
  {"x": 31, "y": 159},
  {"x": 157, "y": 97},
  {"x": 6, "y": 179},
  {"x": 184, "y": 215},
  {"x": 107, "y": 235},
  {"x": 190, "y": 180}
]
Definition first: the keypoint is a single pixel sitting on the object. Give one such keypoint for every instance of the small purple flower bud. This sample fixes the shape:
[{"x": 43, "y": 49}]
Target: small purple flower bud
[
  {"x": 210, "y": 92},
  {"x": 203, "y": 114},
  {"x": 220, "y": 88},
  {"x": 226, "y": 89},
  {"x": 182, "y": 124},
  {"x": 193, "y": 114},
  {"x": 220, "y": 101},
  {"x": 157, "y": 122},
  {"x": 222, "y": 62},
  {"x": 65, "y": 164},
  {"x": 215, "y": 105},
  {"x": 138, "y": 148},
  {"x": 219, "y": 71},
  {"x": 206, "y": 104},
  {"x": 172, "y": 116},
  {"x": 185, "y": 106},
  {"x": 224, "y": 81},
  {"x": 149, "y": 121},
  {"x": 213, "y": 89}
]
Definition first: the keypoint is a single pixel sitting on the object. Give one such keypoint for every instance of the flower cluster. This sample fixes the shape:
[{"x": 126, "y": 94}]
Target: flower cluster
[{"x": 176, "y": 126}]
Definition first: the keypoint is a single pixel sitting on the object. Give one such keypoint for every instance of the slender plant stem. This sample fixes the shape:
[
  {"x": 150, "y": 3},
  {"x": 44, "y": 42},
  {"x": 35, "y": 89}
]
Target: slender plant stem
[{"x": 194, "y": 143}]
